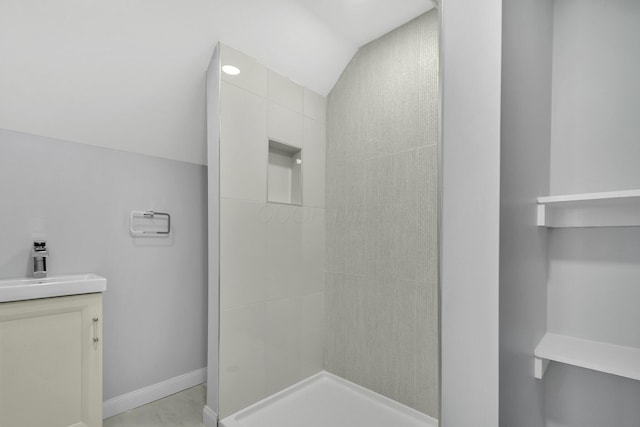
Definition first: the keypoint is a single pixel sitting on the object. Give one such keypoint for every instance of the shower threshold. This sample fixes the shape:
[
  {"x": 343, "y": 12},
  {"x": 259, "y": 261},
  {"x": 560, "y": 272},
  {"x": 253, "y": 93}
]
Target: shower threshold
[{"x": 324, "y": 400}]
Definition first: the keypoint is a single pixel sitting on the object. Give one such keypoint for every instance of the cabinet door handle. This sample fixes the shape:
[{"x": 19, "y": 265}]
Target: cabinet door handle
[{"x": 95, "y": 331}]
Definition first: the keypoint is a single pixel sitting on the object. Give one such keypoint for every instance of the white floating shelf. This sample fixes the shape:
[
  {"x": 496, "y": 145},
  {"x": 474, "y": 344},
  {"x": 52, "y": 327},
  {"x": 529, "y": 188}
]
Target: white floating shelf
[
  {"x": 609, "y": 209},
  {"x": 588, "y": 197},
  {"x": 598, "y": 356}
]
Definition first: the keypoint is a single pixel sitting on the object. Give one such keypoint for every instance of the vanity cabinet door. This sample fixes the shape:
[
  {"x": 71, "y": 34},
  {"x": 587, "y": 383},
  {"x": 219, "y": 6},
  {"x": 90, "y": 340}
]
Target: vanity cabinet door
[{"x": 51, "y": 362}]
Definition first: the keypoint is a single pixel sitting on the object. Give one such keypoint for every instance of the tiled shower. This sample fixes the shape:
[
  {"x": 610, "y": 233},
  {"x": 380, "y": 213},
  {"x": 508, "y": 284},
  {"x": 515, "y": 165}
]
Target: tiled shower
[{"x": 328, "y": 225}]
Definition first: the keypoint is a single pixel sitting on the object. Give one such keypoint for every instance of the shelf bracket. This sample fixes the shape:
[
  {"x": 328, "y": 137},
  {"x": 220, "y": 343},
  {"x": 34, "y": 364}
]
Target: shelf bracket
[
  {"x": 540, "y": 367},
  {"x": 542, "y": 215}
]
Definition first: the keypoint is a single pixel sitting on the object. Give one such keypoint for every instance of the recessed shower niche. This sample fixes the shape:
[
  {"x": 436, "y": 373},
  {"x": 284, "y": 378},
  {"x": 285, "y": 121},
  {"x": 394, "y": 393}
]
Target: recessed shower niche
[{"x": 284, "y": 174}]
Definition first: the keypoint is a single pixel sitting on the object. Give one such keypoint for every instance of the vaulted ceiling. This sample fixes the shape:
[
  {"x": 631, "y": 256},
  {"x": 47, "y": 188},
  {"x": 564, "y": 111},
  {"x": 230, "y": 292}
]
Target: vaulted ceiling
[{"x": 88, "y": 70}]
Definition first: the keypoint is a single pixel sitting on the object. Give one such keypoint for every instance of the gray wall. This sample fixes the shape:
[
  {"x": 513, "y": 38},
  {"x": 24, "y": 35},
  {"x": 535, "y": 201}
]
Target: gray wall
[
  {"x": 593, "y": 273},
  {"x": 596, "y": 96},
  {"x": 471, "y": 49},
  {"x": 525, "y": 147},
  {"x": 381, "y": 279},
  {"x": 78, "y": 198}
]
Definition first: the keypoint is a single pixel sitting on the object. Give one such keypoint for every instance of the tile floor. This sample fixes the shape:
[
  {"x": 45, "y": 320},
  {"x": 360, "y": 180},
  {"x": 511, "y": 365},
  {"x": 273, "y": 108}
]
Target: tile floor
[{"x": 182, "y": 409}]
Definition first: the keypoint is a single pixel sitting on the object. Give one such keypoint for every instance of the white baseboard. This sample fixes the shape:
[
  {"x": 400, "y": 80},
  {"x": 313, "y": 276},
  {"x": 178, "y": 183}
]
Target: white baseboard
[
  {"x": 209, "y": 418},
  {"x": 148, "y": 394}
]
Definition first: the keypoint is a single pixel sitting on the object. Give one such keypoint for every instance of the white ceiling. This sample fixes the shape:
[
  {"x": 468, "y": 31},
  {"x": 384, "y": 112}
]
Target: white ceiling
[
  {"x": 362, "y": 21},
  {"x": 129, "y": 73}
]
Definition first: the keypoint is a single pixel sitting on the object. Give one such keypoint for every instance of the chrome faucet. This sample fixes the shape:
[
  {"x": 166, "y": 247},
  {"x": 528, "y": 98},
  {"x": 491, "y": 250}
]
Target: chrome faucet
[{"x": 40, "y": 254}]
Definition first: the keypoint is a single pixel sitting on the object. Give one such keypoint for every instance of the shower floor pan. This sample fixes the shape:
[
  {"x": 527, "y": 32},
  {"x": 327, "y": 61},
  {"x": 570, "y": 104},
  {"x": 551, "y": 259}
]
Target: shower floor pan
[{"x": 325, "y": 400}]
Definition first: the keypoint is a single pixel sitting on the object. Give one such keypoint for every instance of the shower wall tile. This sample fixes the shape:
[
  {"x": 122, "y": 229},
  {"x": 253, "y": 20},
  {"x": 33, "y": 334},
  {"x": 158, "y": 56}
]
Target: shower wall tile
[
  {"x": 429, "y": 98},
  {"x": 313, "y": 251},
  {"x": 285, "y": 267},
  {"x": 311, "y": 338},
  {"x": 336, "y": 310},
  {"x": 427, "y": 350},
  {"x": 357, "y": 238},
  {"x": 397, "y": 249},
  {"x": 283, "y": 347},
  {"x": 406, "y": 115},
  {"x": 242, "y": 357},
  {"x": 315, "y": 106},
  {"x": 313, "y": 169},
  {"x": 295, "y": 250},
  {"x": 356, "y": 181},
  {"x": 336, "y": 241},
  {"x": 359, "y": 137},
  {"x": 381, "y": 198},
  {"x": 336, "y": 178},
  {"x": 336, "y": 196},
  {"x": 363, "y": 353},
  {"x": 379, "y": 333},
  {"x": 294, "y": 340},
  {"x": 243, "y": 253},
  {"x": 337, "y": 150},
  {"x": 396, "y": 321},
  {"x": 286, "y": 126},
  {"x": 253, "y": 75},
  {"x": 427, "y": 218},
  {"x": 243, "y": 144},
  {"x": 283, "y": 91},
  {"x": 394, "y": 249},
  {"x": 398, "y": 178}
]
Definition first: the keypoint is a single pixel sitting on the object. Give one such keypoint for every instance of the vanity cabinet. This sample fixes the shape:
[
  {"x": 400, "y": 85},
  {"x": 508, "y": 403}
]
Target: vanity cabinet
[{"x": 51, "y": 362}]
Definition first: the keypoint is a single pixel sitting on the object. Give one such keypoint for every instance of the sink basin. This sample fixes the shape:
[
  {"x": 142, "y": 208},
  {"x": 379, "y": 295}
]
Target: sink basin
[{"x": 54, "y": 286}]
